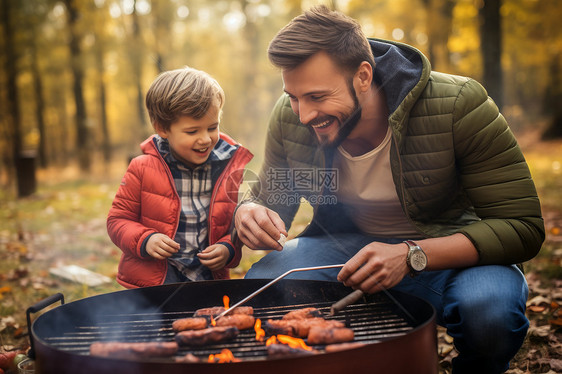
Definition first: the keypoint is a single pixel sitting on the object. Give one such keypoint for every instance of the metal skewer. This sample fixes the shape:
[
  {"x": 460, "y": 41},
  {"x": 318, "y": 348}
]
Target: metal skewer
[{"x": 273, "y": 282}]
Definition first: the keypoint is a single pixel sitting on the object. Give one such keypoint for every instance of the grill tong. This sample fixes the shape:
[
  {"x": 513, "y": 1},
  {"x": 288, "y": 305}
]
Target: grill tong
[{"x": 275, "y": 281}]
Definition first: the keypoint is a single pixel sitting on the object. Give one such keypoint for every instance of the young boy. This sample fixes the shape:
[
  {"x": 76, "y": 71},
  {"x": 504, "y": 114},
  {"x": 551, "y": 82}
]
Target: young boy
[{"x": 172, "y": 214}]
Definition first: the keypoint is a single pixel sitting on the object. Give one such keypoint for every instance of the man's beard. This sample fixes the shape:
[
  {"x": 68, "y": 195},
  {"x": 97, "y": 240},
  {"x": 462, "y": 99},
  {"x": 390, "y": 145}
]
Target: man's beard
[
  {"x": 346, "y": 128},
  {"x": 347, "y": 124}
]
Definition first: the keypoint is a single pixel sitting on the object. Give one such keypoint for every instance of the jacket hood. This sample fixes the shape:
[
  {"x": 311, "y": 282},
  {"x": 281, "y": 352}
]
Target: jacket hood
[{"x": 402, "y": 72}]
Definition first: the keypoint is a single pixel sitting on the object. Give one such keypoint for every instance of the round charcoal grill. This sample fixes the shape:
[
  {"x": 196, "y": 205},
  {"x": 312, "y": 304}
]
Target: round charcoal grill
[{"x": 398, "y": 329}]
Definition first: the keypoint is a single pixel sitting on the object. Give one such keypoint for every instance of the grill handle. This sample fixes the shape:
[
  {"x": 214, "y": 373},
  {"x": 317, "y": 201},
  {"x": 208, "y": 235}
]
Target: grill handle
[
  {"x": 346, "y": 301},
  {"x": 37, "y": 308}
]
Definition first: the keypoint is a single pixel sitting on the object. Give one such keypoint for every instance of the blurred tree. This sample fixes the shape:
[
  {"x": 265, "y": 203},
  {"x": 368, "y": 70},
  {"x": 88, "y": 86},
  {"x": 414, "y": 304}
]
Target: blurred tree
[
  {"x": 101, "y": 42},
  {"x": 83, "y": 147},
  {"x": 35, "y": 15},
  {"x": 491, "y": 46},
  {"x": 51, "y": 44},
  {"x": 552, "y": 97},
  {"x": 12, "y": 115},
  {"x": 532, "y": 39},
  {"x": 23, "y": 164},
  {"x": 250, "y": 67},
  {"x": 162, "y": 15},
  {"x": 136, "y": 51},
  {"x": 439, "y": 26}
]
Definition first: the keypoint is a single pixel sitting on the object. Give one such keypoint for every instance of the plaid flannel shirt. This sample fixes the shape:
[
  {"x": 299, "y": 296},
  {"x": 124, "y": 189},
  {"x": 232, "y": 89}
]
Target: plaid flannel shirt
[{"x": 194, "y": 187}]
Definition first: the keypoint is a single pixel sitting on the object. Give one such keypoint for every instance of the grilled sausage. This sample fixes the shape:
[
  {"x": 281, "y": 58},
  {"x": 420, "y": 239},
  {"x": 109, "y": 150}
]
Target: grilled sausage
[
  {"x": 194, "y": 323},
  {"x": 216, "y": 310},
  {"x": 133, "y": 350},
  {"x": 240, "y": 321},
  {"x": 303, "y": 313},
  {"x": 211, "y": 311},
  {"x": 206, "y": 336},
  {"x": 284, "y": 351},
  {"x": 298, "y": 327},
  {"x": 276, "y": 327},
  {"x": 319, "y": 335}
]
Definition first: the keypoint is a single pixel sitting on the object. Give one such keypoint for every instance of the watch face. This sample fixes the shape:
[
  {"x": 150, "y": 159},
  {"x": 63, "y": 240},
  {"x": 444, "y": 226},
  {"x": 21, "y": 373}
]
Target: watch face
[{"x": 418, "y": 260}]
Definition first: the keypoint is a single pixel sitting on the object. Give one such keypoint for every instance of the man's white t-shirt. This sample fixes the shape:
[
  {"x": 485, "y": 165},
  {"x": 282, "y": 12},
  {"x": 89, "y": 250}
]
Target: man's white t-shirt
[{"x": 366, "y": 187}]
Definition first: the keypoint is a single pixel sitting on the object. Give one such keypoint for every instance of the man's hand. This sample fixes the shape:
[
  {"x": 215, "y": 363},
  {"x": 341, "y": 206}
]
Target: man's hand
[
  {"x": 160, "y": 246},
  {"x": 375, "y": 267},
  {"x": 259, "y": 227},
  {"x": 214, "y": 256}
]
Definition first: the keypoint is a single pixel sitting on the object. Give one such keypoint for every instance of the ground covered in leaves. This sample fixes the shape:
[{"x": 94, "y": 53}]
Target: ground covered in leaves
[{"x": 64, "y": 224}]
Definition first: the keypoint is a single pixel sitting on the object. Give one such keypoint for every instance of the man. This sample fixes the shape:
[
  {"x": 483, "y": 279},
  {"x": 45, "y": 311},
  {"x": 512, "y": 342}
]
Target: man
[{"x": 430, "y": 182}]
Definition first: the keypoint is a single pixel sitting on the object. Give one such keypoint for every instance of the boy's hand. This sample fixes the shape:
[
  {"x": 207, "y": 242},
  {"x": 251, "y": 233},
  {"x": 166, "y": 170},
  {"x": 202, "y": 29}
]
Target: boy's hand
[
  {"x": 160, "y": 246},
  {"x": 214, "y": 257}
]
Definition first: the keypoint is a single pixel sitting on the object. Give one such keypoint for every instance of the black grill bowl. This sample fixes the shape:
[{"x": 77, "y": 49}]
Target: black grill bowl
[{"x": 398, "y": 330}]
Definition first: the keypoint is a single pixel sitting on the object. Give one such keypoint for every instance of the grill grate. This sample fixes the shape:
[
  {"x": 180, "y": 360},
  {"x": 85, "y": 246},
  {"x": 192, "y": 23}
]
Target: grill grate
[{"x": 372, "y": 322}]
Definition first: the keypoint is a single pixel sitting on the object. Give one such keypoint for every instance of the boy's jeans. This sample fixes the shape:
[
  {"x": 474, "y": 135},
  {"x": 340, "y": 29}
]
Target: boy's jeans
[{"x": 482, "y": 307}]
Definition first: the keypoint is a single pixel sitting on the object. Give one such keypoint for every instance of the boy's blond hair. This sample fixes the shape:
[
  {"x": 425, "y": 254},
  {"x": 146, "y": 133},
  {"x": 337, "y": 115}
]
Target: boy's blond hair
[{"x": 181, "y": 92}]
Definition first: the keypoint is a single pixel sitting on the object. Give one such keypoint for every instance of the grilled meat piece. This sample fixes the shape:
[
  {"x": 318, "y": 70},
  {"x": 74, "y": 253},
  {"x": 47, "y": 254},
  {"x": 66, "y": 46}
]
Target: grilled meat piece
[
  {"x": 211, "y": 311},
  {"x": 298, "y": 327},
  {"x": 206, "y": 336},
  {"x": 240, "y": 321},
  {"x": 216, "y": 310},
  {"x": 284, "y": 351},
  {"x": 343, "y": 346},
  {"x": 320, "y": 335},
  {"x": 303, "y": 313},
  {"x": 133, "y": 350},
  {"x": 276, "y": 327},
  {"x": 193, "y": 323}
]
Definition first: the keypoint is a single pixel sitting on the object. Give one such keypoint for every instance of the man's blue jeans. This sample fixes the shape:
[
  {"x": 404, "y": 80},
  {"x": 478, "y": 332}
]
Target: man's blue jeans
[{"x": 482, "y": 308}]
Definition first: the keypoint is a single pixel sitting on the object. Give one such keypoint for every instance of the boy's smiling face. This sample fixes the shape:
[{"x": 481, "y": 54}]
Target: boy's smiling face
[{"x": 192, "y": 140}]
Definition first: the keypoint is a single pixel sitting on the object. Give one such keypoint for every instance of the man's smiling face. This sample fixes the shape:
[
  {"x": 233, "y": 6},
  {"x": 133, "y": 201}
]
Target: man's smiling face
[{"x": 323, "y": 97}]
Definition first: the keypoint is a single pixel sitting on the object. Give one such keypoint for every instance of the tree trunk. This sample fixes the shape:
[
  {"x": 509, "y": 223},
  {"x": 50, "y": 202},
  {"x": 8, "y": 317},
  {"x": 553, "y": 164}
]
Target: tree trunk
[
  {"x": 491, "y": 47},
  {"x": 106, "y": 141},
  {"x": 136, "y": 55},
  {"x": 161, "y": 33},
  {"x": 39, "y": 102},
  {"x": 60, "y": 150},
  {"x": 553, "y": 98},
  {"x": 251, "y": 70},
  {"x": 439, "y": 27},
  {"x": 82, "y": 136},
  {"x": 23, "y": 164}
]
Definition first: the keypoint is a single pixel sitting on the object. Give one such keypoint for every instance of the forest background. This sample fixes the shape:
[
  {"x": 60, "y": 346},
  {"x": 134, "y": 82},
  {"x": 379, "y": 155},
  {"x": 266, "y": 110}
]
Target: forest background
[{"x": 73, "y": 75}]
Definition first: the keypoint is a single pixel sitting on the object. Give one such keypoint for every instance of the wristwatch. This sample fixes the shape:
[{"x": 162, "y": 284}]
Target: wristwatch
[{"x": 416, "y": 258}]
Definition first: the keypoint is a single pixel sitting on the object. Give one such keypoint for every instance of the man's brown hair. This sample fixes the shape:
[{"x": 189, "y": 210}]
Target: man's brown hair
[
  {"x": 321, "y": 29},
  {"x": 181, "y": 92}
]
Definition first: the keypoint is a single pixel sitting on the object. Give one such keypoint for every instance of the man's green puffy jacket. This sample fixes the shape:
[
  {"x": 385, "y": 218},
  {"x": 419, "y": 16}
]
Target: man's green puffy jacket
[{"x": 455, "y": 163}]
